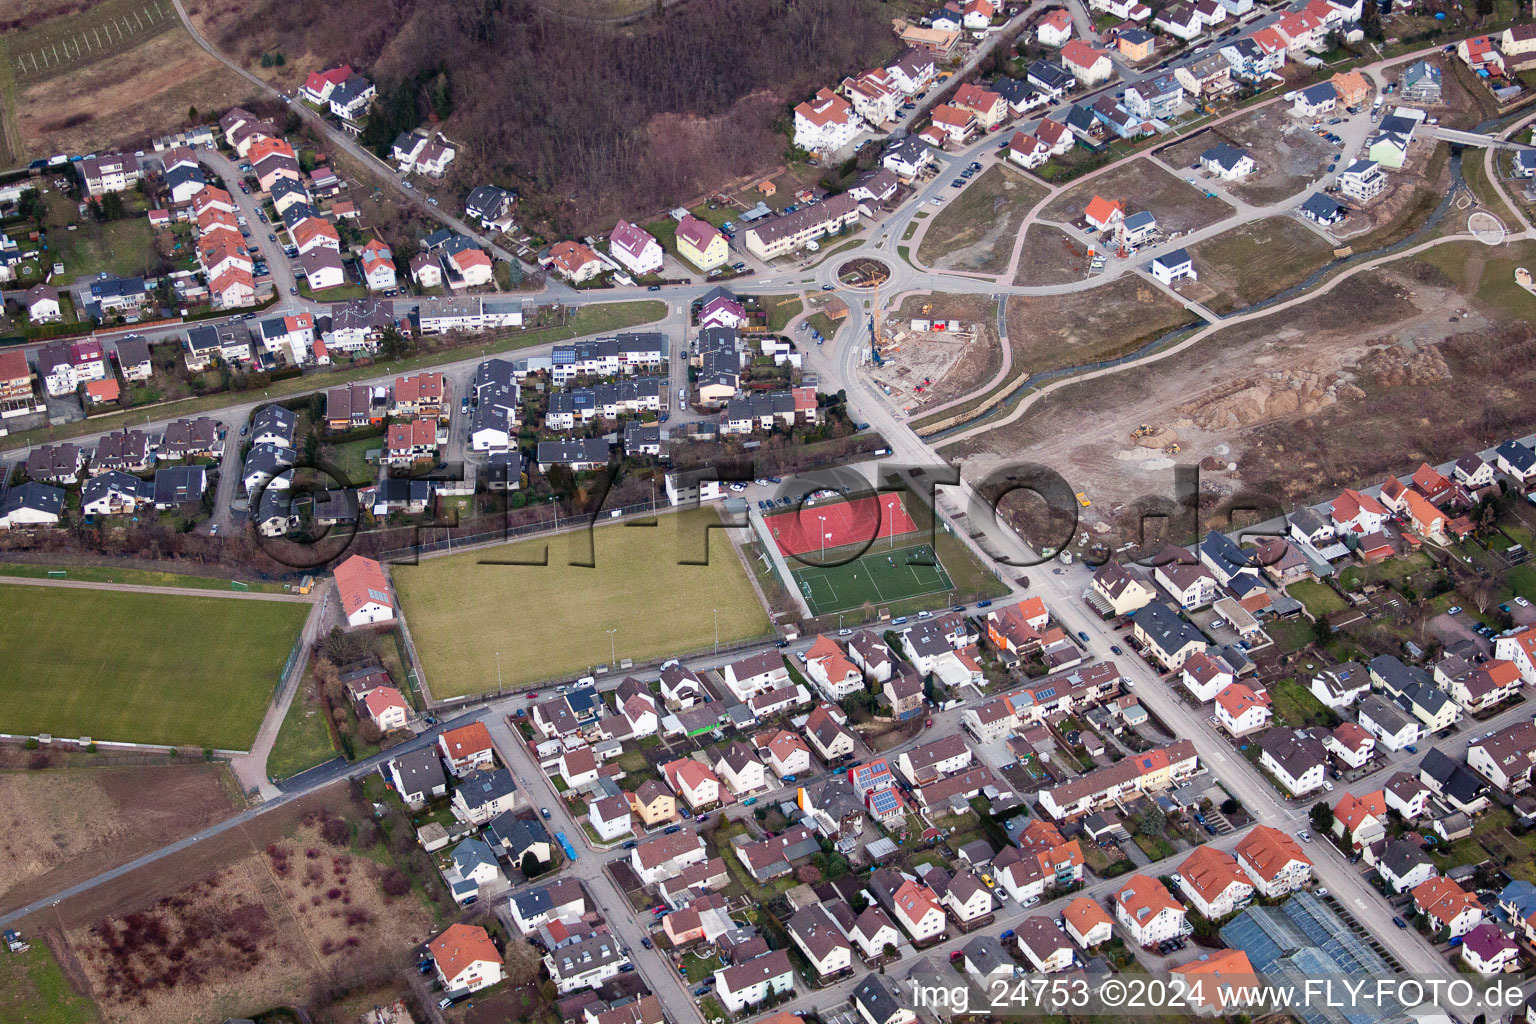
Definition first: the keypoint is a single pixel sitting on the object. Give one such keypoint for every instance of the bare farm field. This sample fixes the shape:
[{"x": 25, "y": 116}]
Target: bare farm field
[
  {"x": 1051, "y": 332},
  {"x": 1142, "y": 185},
  {"x": 61, "y": 826},
  {"x": 1288, "y": 154},
  {"x": 246, "y": 923},
  {"x": 976, "y": 229},
  {"x": 1329, "y": 393},
  {"x": 1253, "y": 262},
  {"x": 1051, "y": 256},
  {"x": 125, "y": 96}
]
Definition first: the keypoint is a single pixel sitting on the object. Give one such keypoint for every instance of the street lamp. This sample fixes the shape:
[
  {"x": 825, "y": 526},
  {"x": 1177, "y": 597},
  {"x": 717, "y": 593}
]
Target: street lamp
[
  {"x": 823, "y": 521},
  {"x": 717, "y": 629},
  {"x": 498, "y": 671},
  {"x": 613, "y": 656}
]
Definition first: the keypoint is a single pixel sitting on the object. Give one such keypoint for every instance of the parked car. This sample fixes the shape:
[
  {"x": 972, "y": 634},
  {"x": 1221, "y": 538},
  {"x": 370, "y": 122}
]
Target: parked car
[
  {"x": 647, "y": 943},
  {"x": 545, "y": 812}
]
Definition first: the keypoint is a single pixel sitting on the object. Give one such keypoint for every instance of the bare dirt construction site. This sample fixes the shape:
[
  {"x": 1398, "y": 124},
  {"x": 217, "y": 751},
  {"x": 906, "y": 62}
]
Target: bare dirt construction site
[
  {"x": 1253, "y": 262},
  {"x": 976, "y": 229},
  {"x": 246, "y": 920},
  {"x": 1050, "y": 332},
  {"x": 1368, "y": 378},
  {"x": 1288, "y": 154},
  {"x": 60, "y": 825},
  {"x": 1051, "y": 256},
  {"x": 126, "y": 96},
  {"x": 953, "y": 362},
  {"x": 1142, "y": 185}
]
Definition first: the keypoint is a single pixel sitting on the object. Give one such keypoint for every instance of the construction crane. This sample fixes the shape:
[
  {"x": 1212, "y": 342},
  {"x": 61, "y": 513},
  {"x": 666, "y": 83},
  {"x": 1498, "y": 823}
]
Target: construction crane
[{"x": 875, "y": 337}]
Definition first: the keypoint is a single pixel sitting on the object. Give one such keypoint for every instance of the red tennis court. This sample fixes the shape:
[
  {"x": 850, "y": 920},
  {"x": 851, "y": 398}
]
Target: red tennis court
[{"x": 845, "y": 522}]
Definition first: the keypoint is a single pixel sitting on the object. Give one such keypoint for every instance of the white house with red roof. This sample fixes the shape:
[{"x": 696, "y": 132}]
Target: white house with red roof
[
  {"x": 1361, "y": 820},
  {"x": 1088, "y": 65},
  {"x": 467, "y": 748},
  {"x": 826, "y": 123},
  {"x": 575, "y": 262},
  {"x": 1273, "y": 860},
  {"x": 1351, "y": 744},
  {"x": 788, "y": 754},
  {"x": 692, "y": 781},
  {"x": 378, "y": 265},
  {"x": 1447, "y": 905},
  {"x": 386, "y": 707},
  {"x": 916, "y": 908},
  {"x": 1355, "y": 512},
  {"x": 1205, "y": 677},
  {"x": 831, "y": 670},
  {"x": 1211, "y": 880},
  {"x": 366, "y": 596},
  {"x": 317, "y": 88},
  {"x": 1519, "y": 648},
  {"x": 952, "y": 124},
  {"x": 465, "y": 958},
  {"x": 1055, "y": 28},
  {"x": 874, "y": 95},
  {"x": 1240, "y": 711},
  {"x": 1087, "y": 922},
  {"x": 1028, "y": 151},
  {"x": 1055, "y": 135},
  {"x": 474, "y": 268},
  {"x": 1480, "y": 53},
  {"x": 635, "y": 248},
  {"x": 1146, "y": 909}
]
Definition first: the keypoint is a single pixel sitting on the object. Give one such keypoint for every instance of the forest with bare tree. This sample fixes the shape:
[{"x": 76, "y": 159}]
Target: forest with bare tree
[{"x": 587, "y": 121}]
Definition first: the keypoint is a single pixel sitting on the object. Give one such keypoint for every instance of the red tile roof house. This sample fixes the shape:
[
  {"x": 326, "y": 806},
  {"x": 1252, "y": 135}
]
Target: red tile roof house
[
  {"x": 1448, "y": 906},
  {"x": 1149, "y": 912},
  {"x": 366, "y": 596},
  {"x": 410, "y": 442},
  {"x": 692, "y": 781},
  {"x": 1273, "y": 861},
  {"x": 1090, "y": 66},
  {"x": 466, "y": 958},
  {"x": 467, "y": 748},
  {"x": 386, "y": 707}
]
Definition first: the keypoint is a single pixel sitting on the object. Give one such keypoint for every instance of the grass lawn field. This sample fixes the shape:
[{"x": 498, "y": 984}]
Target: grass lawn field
[
  {"x": 1295, "y": 706},
  {"x": 882, "y": 576},
  {"x": 33, "y": 990},
  {"x": 553, "y": 620},
  {"x": 349, "y": 458},
  {"x": 1259, "y": 259},
  {"x": 139, "y": 577},
  {"x": 146, "y": 668},
  {"x": 781, "y": 309},
  {"x": 304, "y": 740},
  {"x": 976, "y": 229},
  {"x": 123, "y": 248},
  {"x": 1318, "y": 598}
]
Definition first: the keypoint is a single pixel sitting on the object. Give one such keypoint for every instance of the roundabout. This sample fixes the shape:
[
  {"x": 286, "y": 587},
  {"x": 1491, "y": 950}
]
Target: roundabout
[{"x": 863, "y": 272}]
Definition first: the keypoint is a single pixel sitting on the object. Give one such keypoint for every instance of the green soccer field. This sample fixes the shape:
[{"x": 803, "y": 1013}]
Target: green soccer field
[
  {"x": 475, "y": 622},
  {"x": 881, "y": 576},
  {"x": 141, "y": 668}
]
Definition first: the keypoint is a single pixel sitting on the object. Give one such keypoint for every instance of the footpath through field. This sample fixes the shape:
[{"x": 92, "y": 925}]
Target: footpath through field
[{"x": 136, "y": 588}]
